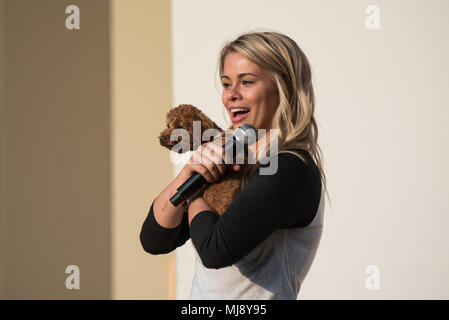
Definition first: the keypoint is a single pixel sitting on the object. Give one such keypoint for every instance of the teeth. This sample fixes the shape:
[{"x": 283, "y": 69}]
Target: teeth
[{"x": 238, "y": 109}]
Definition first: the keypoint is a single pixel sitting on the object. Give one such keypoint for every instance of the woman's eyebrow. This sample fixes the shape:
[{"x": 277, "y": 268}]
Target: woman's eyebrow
[{"x": 240, "y": 75}]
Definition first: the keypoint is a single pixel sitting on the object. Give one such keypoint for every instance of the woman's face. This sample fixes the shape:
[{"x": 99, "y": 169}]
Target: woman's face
[{"x": 249, "y": 94}]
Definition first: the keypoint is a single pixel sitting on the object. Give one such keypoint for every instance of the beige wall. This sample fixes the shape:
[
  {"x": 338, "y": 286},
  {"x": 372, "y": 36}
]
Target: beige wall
[
  {"x": 141, "y": 95},
  {"x": 55, "y": 150},
  {"x": 79, "y": 158},
  {"x": 2, "y": 116}
]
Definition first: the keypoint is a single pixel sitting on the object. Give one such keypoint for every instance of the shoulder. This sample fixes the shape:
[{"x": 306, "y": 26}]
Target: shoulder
[
  {"x": 289, "y": 162},
  {"x": 292, "y": 189},
  {"x": 287, "y": 171}
]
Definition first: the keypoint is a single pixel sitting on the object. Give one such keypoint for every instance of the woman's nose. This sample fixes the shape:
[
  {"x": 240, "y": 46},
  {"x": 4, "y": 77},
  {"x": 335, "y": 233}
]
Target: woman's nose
[{"x": 234, "y": 93}]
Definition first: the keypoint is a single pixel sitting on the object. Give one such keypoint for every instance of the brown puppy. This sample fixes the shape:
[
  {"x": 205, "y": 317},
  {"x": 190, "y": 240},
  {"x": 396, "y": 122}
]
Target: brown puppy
[{"x": 219, "y": 194}]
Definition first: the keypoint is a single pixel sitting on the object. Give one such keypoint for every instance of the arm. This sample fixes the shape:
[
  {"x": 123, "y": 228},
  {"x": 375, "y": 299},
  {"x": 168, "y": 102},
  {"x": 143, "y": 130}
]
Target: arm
[
  {"x": 165, "y": 227},
  {"x": 156, "y": 239},
  {"x": 289, "y": 198}
]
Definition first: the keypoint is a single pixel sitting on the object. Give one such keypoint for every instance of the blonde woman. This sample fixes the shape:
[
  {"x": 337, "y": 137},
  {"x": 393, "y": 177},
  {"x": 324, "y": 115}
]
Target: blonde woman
[{"x": 263, "y": 245}]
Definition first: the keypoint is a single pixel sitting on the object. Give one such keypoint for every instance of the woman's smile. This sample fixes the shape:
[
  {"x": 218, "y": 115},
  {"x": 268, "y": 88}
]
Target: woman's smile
[{"x": 238, "y": 114}]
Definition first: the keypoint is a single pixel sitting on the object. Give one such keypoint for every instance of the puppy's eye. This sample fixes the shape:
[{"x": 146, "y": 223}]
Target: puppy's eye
[
  {"x": 179, "y": 127},
  {"x": 168, "y": 126}
]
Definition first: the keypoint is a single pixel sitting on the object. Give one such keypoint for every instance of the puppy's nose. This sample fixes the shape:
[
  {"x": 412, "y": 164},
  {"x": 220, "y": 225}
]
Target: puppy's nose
[{"x": 162, "y": 139}]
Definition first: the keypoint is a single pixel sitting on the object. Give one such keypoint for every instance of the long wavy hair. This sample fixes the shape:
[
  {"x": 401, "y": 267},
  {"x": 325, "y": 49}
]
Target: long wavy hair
[{"x": 290, "y": 70}]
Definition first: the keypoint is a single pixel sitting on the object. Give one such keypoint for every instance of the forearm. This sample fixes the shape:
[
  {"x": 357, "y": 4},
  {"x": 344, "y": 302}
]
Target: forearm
[
  {"x": 204, "y": 237},
  {"x": 196, "y": 206},
  {"x": 156, "y": 239},
  {"x": 167, "y": 215}
]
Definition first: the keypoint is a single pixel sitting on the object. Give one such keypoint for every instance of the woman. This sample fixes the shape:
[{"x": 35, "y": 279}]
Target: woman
[{"x": 264, "y": 243}]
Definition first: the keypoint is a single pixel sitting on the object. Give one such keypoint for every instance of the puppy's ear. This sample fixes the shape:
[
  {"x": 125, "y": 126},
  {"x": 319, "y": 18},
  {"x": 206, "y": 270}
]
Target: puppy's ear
[{"x": 207, "y": 123}]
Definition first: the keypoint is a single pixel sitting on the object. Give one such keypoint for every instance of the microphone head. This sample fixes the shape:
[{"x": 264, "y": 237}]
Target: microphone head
[{"x": 246, "y": 134}]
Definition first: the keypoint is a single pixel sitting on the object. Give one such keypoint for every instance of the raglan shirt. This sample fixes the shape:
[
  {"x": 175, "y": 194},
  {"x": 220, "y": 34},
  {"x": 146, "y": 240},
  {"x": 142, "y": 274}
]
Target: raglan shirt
[{"x": 288, "y": 199}]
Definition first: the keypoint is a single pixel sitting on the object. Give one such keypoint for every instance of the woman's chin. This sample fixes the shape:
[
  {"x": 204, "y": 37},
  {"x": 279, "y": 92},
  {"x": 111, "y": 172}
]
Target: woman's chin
[{"x": 241, "y": 123}]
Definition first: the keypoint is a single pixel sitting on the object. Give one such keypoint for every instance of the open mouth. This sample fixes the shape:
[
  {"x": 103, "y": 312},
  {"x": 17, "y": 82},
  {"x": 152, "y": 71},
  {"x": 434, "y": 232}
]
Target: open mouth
[{"x": 238, "y": 113}]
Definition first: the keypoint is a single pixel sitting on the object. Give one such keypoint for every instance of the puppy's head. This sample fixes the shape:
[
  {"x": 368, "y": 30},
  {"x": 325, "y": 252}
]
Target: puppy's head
[{"x": 182, "y": 117}]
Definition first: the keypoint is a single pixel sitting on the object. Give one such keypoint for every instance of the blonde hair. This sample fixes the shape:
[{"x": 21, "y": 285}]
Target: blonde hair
[{"x": 290, "y": 70}]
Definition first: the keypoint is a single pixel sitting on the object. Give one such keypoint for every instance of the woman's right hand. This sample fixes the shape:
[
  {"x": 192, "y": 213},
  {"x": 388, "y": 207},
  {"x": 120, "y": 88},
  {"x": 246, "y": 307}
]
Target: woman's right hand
[
  {"x": 203, "y": 161},
  {"x": 209, "y": 161}
]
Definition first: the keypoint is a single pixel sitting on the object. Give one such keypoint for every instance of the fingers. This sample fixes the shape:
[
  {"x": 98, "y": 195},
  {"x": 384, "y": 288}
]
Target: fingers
[
  {"x": 214, "y": 153},
  {"x": 208, "y": 161},
  {"x": 205, "y": 172}
]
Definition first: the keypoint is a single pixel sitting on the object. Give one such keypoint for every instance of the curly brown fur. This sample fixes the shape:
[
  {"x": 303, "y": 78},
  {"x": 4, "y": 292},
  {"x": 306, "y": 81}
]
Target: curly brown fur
[
  {"x": 183, "y": 116},
  {"x": 220, "y": 194}
]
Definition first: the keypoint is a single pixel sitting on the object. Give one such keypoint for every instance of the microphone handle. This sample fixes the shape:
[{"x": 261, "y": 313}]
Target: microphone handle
[{"x": 188, "y": 188}]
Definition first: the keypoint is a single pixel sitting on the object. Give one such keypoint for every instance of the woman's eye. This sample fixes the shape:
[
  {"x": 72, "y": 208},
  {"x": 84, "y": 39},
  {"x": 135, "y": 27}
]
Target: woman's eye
[{"x": 246, "y": 82}]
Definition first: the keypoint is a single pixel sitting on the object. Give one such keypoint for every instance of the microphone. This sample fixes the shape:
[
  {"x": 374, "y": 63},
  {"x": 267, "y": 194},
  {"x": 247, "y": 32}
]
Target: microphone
[{"x": 241, "y": 139}]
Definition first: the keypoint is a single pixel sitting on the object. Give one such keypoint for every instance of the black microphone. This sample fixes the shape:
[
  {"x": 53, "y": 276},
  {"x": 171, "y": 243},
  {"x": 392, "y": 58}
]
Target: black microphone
[{"x": 240, "y": 139}]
